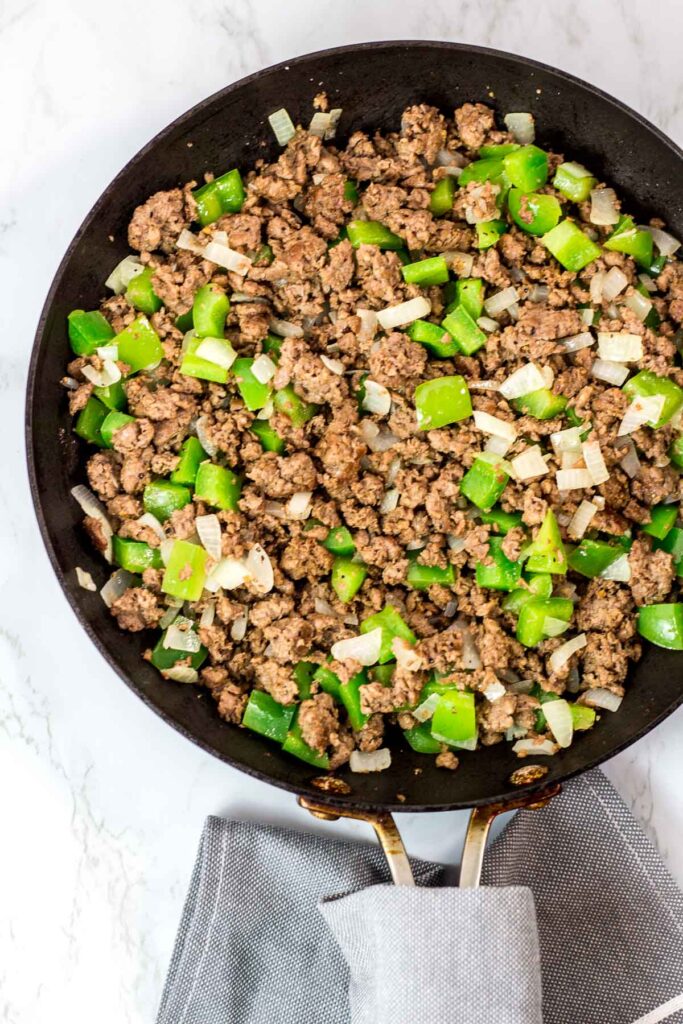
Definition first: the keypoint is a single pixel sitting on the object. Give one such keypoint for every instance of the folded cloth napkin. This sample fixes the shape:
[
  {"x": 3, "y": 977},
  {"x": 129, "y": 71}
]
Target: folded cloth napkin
[{"x": 281, "y": 927}]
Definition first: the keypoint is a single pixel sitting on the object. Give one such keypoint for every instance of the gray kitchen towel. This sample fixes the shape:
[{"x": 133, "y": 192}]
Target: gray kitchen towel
[{"x": 253, "y": 948}]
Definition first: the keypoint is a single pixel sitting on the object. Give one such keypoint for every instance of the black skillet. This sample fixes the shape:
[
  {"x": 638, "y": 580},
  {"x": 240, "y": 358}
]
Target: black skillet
[{"x": 372, "y": 83}]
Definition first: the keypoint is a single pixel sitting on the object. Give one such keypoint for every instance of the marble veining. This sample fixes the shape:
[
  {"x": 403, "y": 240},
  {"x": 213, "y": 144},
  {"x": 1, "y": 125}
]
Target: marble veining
[{"x": 101, "y": 805}]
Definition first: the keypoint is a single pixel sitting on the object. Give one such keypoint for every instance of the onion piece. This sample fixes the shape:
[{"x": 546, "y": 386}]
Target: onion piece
[
  {"x": 494, "y": 691},
  {"x": 619, "y": 346},
  {"x": 580, "y": 521},
  {"x": 368, "y": 323},
  {"x": 364, "y": 649},
  {"x": 389, "y": 500},
  {"x": 299, "y": 505},
  {"x": 364, "y": 761},
  {"x": 595, "y": 287},
  {"x": 539, "y": 293},
  {"x": 641, "y": 411},
  {"x": 578, "y": 341},
  {"x": 85, "y": 580},
  {"x": 333, "y": 365},
  {"x": 263, "y": 368},
  {"x": 485, "y": 212},
  {"x": 573, "y": 479},
  {"x": 123, "y": 273},
  {"x": 521, "y": 126},
  {"x": 498, "y": 445},
  {"x": 117, "y": 585},
  {"x": 228, "y": 574},
  {"x": 181, "y": 674},
  {"x": 599, "y": 697},
  {"x": 487, "y": 324},
  {"x": 610, "y": 372},
  {"x": 109, "y": 374},
  {"x": 108, "y": 352},
  {"x": 500, "y": 301},
  {"x": 523, "y": 381},
  {"x": 377, "y": 440},
  {"x": 595, "y": 463},
  {"x": 282, "y": 125},
  {"x": 639, "y": 305},
  {"x": 535, "y": 747},
  {"x": 461, "y": 263},
  {"x": 559, "y": 658},
  {"x": 376, "y": 399},
  {"x": 529, "y": 464},
  {"x": 404, "y": 313},
  {"x": 170, "y": 615},
  {"x": 604, "y": 208},
  {"x": 406, "y": 655},
  {"x": 202, "y": 436},
  {"x": 630, "y": 463},
  {"x": 493, "y": 425},
  {"x": 209, "y": 531},
  {"x": 285, "y": 329},
  {"x": 665, "y": 242},
  {"x": 238, "y": 629},
  {"x": 94, "y": 509},
  {"x": 180, "y": 636},
  {"x": 165, "y": 549},
  {"x": 424, "y": 711},
  {"x": 208, "y": 615},
  {"x": 320, "y": 123},
  {"x": 647, "y": 283},
  {"x": 619, "y": 570},
  {"x": 614, "y": 283},
  {"x": 187, "y": 240},
  {"x": 260, "y": 569},
  {"x": 217, "y": 351},
  {"x": 587, "y": 315},
  {"x": 559, "y": 718},
  {"x": 224, "y": 256},
  {"x": 568, "y": 440}
]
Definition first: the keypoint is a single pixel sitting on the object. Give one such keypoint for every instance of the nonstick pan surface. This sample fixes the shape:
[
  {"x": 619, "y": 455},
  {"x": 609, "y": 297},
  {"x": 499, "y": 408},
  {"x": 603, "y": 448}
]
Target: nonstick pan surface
[{"x": 373, "y": 83}]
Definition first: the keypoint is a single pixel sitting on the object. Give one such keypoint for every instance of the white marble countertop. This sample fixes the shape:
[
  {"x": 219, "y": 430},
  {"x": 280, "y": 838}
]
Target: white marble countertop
[{"x": 101, "y": 804}]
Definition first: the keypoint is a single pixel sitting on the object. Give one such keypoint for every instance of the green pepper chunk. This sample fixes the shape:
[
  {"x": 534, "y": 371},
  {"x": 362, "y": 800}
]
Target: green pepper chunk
[
  {"x": 88, "y": 331},
  {"x": 532, "y": 616},
  {"x": 546, "y": 552},
  {"x": 113, "y": 396},
  {"x": 272, "y": 346},
  {"x": 574, "y": 182},
  {"x": 421, "y": 740},
  {"x": 442, "y": 401},
  {"x": 185, "y": 573},
  {"x": 583, "y": 717},
  {"x": 191, "y": 457},
  {"x": 184, "y": 321},
  {"x": 544, "y": 696},
  {"x": 347, "y": 578},
  {"x": 340, "y": 542},
  {"x": 222, "y": 195},
  {"x": 295, "y": 744},
  {"x": 268, "y": 436},
  {"x": 349, "y": 693},
  {"x": 441, "y": 199},
  {"x": 488, "y": 169},
  {"x": 539, "y": 585},
  {"x": 371, "y": 232},
  {"x": 351, "y": 191},
  {"x": 676, "y": 452},
  {"x": 266, "y": 717},
  {"x": 303, "y": 675},
  {"x": 89, "y": 421},
  {"x": 629, "y": 239},
  {"x": 662, "y": 519},
  {"x": 647, "y": 384},
  {"x": 112, "y": 422},
  {"x": 195, "y": 365},
  {"x": 421, "y": 577},
  {"x": 161, "y": 498},
  {"x": 502, "y": 521},
  {"x": 504, "y": 574},
  {"x": 489, "y": 232},
  {"x": 392, "y": 625},
  {"x": 166, "y": 657},
  {"x": 383, "y": 673},
  {"x": 464, "y": 330},
  {"x": 254, "y": 393},
  {"x": 209, "y": 310},
  {"x": 328, "y": 681},
  {"x": 140, "y": 293},
  {"x": 433, "y": 337},
  {"x": 139, "y": 345},
  {"x": 426, "y": 272},
  {"x": 499, "y": 150},
  {"x": 592, "y": 557},
  {"x": 455, "y": 720},
  {"x": 570, "y": 246},
  {"x": 662, "y": 625},
  {"x": 135, "y": 555},
  {"x": 217, "y": 486},
  {"x": 263, "y": 256},
  {"x": 673, "y": 543},
  {"x": 484, "y": 482},
  {"x": 526, "y": 167},
  {"x": 288, "y": 402},
  {"x": 533, "y": 212},
  {"x": 543, "y": 404},
  {"x": 469, "y": 294}
]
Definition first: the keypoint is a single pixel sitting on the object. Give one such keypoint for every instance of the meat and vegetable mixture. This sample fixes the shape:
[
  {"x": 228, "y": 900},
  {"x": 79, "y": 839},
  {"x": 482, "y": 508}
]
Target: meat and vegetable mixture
[{"x": 391, "y": 434}]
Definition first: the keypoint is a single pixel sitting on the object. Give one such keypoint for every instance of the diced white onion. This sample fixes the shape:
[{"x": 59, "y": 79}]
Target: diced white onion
[
  {"x": 529, "y": 464},
  {"x": 170, "y": 614},
  {"x": 165, "y": 549},
  {"x": 376, "y": 399},
  {"x": 263, "y": 368},
  {"x": 559, "y": 718},
  {"x": 228, "y": 574},
  {"x": 587, "y": 315},
  {"x": 578, "y": 341},
  {"x": 615, "y": 282},
  {"x": 494, "y": 691},
  {"x": 377, "y": 440},
  {"x": 523, "y": 381},
  {"x": 299, "y": 505},
  {"x": 638, "y": 304},
  {"x": 282, "y": 126},
  {"x": 535, "y": 747},
  {"x": 333, "y": 365},
  {"x": 108, "y": 352},
  {"x": 202, "y": 436},
  {"x": 180, "y": 636},
  {"x": 665, "y": 242},
  {"x": 238, "y": 628},
  {"x": 224, "y": 256},
  {"x": 322, "y": 606},
  {"x": 500, "y": 301},
  {"x": 85, "y": 580},
  {"x": 209, "y": 532},
  {"x": 335, "y": 117},
  {"x": 493, "y": 425},
  {"x": 208, "y": 615},
  {"x": 521, "y": 126},
  {"x": 363, "y": 761},
  {"x": 455, "y": 544},
  {"x": 603, "y": 206},
  {"x": 181, "y": 674},
  {"x": 285, "y": 329},
  {"x": 630, "y": 463},
  {"x": 481, "y": 214},
  {"x": 572, "y": 460},
  {"x": 260, "y": 569},
  {"x": 461, "y": 263},
  {"x": 186, "y": 240},
  {"x": 647, "y": 282},
  {"x": 320, "y": 122},
  {"x": 482, "y": 385},
  {"x": 404, "y": 313},
  {"x": 498, "y": 445},
  {"x": 119, "y": 583},
  {"x": 426, "y": 709},
  {"x": 641, "y": 411},
  {"x": 406, "y": 655},
  {"x": 573, "y": 479},
  {"x": 364, "y": 649},
  {"x": 487, "y": 324},
  {"x": 147, "y": 519},
  {"x": 368, "y": 323},
  {"x": 595, "y": 463},
  {"x": 568, "y": 440},
  {"x": 94, "y": 508},
  {"x": 109, "y": 374},
  {"x": 611, "y": 373},
  {"x": 539, "y": 293},
  {"x": 389, "y": 501},
  {"x": 266, "y": 411},
  {"x": 595, "y": 288},
  {"x": 579, "y": 522},
  {"x": 619, "y": 346},
  {"x": 553, "y": 626},
  {"x": 218, "y": 351},
  {"x": 123, "y": 273},
  {"x": 559, "y": 658},
  {"x": 619, "y": 570},
  {"x": 599, "y": 697}
]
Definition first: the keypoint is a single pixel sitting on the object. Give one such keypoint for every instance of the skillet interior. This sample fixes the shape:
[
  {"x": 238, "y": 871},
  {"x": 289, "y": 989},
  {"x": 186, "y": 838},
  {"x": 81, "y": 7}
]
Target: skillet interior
[{"x": 373, "y": 83}]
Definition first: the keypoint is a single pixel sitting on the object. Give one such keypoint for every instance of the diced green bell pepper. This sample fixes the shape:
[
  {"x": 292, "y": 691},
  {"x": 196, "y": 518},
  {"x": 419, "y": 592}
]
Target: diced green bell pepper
[
  {"x": 162, "y": 497},
  {"x": 222, "y": 195},
  {"x": 209, "y": 310},
  {"x": 303, "y": 675},
  {"x": 488, "y": 169},
  {"x": 532, "y": 616},
  {"x": 503, "y": 574},
  {"x": 442, "y": 401},
  {"x": 421, "y": 740},
  {"x": 543, "y": 404},
  {"x": 441, "y": 199},
  {"x": 382, "y": 673},
  {"x": 455, "y": 719},
  {"x": 371, "y": 232},
  {"x": 629, "y": 239},
  {"x": 434, "y": 337},
  {"x": 351, "y": 191},
  {"x": 340, "y": 542},
  {"x": 294, "y": 744},
  {"x": 185, "y": 573},
  {"x": 140, "y": 293},
  {"x": 268, "y": 436},
  {"x": 502, "y": 521},
  {"x": 546, "y": 552},
  {"x": 349, "y": 693},
  {"x": 673, "y": 544},
  {"x": 272, "y": 346},
  {"x": 89, "y": 421},
  {"x": 184, "y": 322},
  {"x": 421, "y": 577},
  {"x": 166, "y": 657},
  {"x": 646, "y": 384},
  {"x": 191, "y": 457},
  {"x": 526, "y": 167},
  {"x": 426, "y": 272},
  {"x": 195, "y": 365},
  {"x": 489, "y": 232},
  {"x": 209, "y": 206},
  {"x": 539, "y": 585},
  {"x": 469, "y": 293},
  {"x": 135, "y": 555},
  {"x": 88, "y": 331},
  {"x": 217, "y": 486},
  {"x": 139, "y": 345},
  {"x": 499, "y": 150},
  {"x": 266, "y": 717},
  {"x": 662, "y": 624},
  {"x": 533, "y": 212},
  {"x": 347, "y": 578},
  {"x": 574, "y": 182},
  {"x": 253, "y": 392},
  {"x": 592, "y": 557},
  {"x": 676, "y": 452},
  {"x": 112, "y": 422},
  {"x": 570, "y": 246},
  {"x": 392, "y": 625},
  {"x": 328, "y": 681},
  {"x": 583, "y": 717},
  {"x": 662, "y": 519},
  {"x": 113, "y": 396},
  {"x": 288, "y": 402},
  {"x": 464, "y": 330},
  {"x": 483, "y": 483}
]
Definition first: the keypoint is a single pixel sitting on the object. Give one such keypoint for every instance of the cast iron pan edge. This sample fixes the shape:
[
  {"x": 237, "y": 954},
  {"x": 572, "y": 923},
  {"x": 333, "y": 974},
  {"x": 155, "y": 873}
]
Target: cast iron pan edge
[{"x": 446, "y": 74}]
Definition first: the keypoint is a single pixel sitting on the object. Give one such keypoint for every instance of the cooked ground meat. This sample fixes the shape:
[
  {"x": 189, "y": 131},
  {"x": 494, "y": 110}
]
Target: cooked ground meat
[{"x": 323, "y": 436}]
